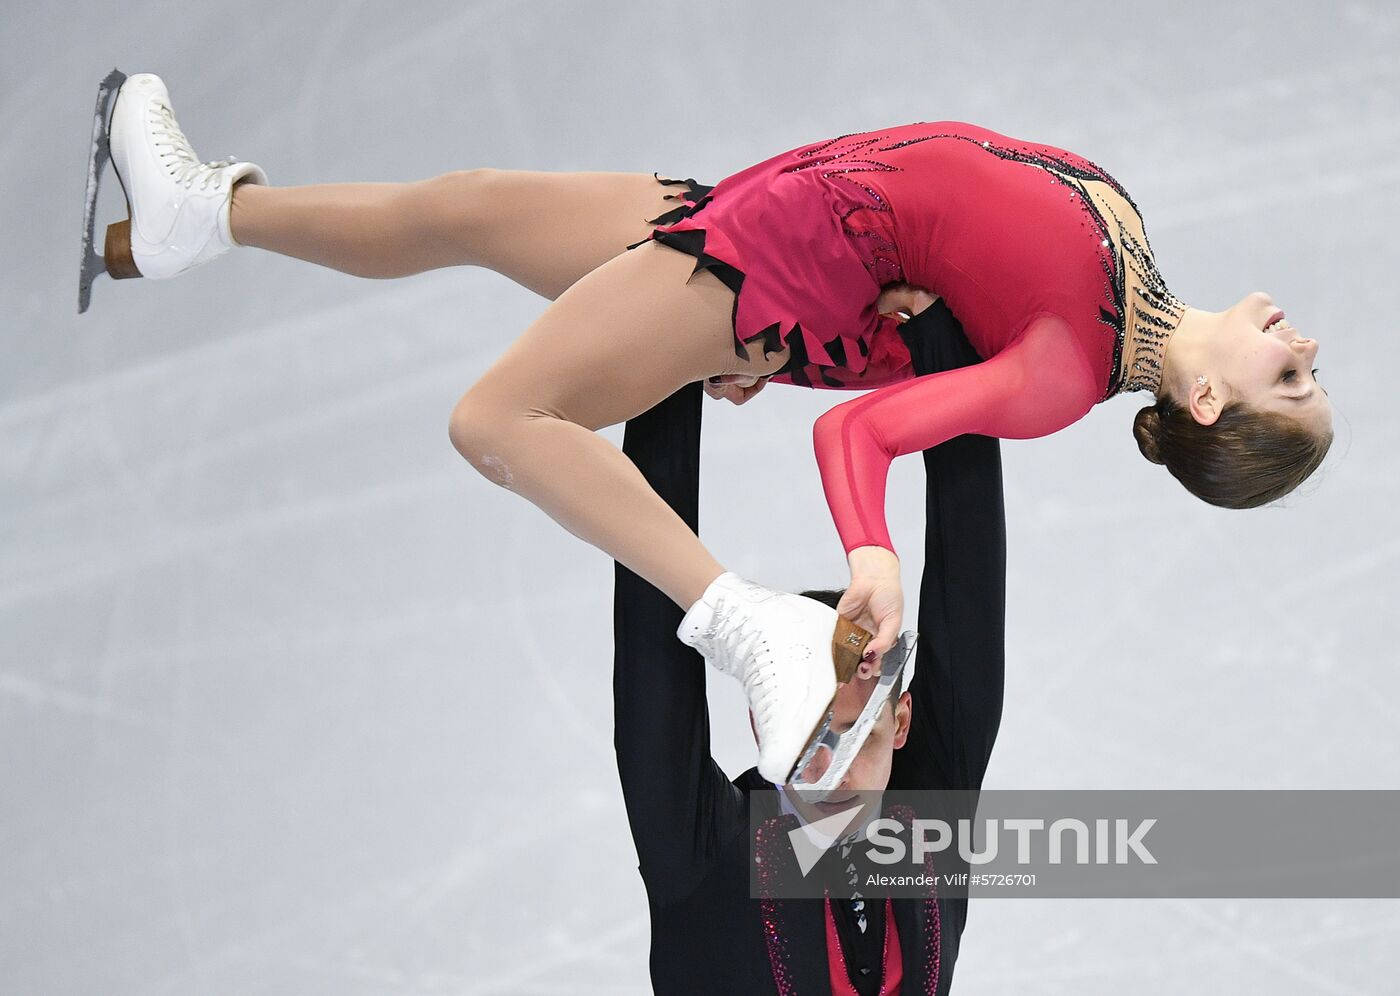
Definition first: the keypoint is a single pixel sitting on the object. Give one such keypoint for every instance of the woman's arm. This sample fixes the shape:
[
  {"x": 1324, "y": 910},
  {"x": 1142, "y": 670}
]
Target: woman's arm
[{"x": 1037, "y": 385}]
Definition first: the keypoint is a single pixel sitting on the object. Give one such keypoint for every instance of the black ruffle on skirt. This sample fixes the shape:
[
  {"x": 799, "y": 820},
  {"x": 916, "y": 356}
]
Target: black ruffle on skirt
[{"x": 692, "y": 242}]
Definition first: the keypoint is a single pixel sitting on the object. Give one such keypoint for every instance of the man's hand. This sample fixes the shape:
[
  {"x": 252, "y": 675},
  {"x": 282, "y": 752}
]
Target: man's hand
[
  {"x": 738, "y": 388},
  {"x": 903, "y": 301}
]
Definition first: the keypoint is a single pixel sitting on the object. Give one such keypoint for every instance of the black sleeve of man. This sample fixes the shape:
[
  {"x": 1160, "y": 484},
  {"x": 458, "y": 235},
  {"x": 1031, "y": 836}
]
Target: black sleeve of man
[
  {"x": 956, "y": 690},
  {"x": 680, "y": 805}
]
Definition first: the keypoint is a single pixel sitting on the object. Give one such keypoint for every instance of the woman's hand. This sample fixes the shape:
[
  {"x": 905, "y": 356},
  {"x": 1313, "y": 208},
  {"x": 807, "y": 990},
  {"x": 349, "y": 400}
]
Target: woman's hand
[
  {"x": 905, "y": 298},
  {"x": 738, "y": 388},
  {"x": 875, "y": 598}
]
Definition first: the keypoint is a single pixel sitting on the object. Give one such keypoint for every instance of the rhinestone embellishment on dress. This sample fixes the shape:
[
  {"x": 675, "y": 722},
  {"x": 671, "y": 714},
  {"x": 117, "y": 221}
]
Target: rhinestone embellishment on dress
[{"x": 1142, "y": 328}]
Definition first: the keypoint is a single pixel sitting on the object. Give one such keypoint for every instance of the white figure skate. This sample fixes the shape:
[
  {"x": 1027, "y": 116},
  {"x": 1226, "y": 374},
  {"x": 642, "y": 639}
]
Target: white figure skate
[
  {"x": 177, "y": 206},
  {"x": 789, "y": 652}
]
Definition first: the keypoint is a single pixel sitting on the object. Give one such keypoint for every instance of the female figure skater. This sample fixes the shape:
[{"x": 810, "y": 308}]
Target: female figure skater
[{"x": 790, "y": 270}]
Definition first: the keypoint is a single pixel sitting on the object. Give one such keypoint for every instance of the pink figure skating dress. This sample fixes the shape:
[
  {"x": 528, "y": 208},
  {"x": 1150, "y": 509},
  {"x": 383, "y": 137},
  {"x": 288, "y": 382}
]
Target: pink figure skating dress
[{"x": 1038, "y": 253}]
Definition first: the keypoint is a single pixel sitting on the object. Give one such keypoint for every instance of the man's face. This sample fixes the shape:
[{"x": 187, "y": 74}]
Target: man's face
[{"x": 869, "y": 773}]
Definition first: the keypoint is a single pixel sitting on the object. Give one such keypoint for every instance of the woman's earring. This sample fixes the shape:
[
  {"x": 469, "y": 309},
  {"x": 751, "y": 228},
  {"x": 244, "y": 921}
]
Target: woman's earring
[{"x": 1201, "y": 380}]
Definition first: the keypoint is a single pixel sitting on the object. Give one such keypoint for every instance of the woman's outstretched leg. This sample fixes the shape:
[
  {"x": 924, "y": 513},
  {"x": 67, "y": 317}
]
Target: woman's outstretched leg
[
  {"x": 621, "y": 339},
  {"x": 542, "y": 229}
]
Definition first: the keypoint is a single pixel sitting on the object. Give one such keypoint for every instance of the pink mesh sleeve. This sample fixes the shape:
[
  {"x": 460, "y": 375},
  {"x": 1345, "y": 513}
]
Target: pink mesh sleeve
[{"x": 1038, "y": 384}]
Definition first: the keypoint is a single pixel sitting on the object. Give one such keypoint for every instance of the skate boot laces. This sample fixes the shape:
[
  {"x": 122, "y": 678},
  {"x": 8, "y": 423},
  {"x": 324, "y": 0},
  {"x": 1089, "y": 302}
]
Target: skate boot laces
[
  {"x": 735, "y": 631},
  {"x": 180, "y": 159}
]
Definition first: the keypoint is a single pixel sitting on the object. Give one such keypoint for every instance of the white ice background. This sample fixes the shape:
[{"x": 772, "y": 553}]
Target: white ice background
[{"x": 293, "y": 701}]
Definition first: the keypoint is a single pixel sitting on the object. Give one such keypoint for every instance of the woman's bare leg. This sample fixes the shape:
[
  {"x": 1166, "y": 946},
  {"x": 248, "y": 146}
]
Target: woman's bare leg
[
  {"x": 542, "y": 229},
  {"x": 627, "y": 330},
  {"x": 626, "y": 335}
]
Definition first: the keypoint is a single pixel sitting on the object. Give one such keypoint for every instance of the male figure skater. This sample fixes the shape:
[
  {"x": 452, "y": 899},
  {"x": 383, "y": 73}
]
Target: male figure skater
[{"x": 690, "y": 822}]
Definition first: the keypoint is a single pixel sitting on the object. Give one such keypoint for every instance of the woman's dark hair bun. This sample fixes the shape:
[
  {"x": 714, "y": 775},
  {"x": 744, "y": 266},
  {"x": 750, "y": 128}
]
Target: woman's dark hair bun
[
  {"x": 1244, "y": 459},
  {"x": 1147, "y": 426}
]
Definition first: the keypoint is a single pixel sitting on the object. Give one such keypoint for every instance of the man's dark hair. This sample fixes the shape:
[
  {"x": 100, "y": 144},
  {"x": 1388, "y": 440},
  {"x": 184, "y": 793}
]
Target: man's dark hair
[{"x": 827, "y": 596}]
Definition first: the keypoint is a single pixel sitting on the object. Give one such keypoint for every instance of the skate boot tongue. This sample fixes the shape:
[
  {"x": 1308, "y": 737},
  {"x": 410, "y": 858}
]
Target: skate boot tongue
[
  {"x": 182, "y": 161},
  {"x": 721, "y": 623}
]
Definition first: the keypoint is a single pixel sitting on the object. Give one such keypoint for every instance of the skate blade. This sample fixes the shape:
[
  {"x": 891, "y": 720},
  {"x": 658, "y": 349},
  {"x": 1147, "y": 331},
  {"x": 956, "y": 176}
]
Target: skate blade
[
  {"x": 829, "y": 753},
  {"x": 99, "y": 156}
]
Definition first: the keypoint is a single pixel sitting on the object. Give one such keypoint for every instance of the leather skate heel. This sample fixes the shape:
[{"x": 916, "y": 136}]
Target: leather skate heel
[
  {"x": 116, "y": 253},
  {"x": 847, "y": 648}
]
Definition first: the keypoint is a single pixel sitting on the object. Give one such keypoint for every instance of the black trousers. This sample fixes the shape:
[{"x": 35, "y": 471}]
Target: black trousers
[{"x": 685, "y": 813}]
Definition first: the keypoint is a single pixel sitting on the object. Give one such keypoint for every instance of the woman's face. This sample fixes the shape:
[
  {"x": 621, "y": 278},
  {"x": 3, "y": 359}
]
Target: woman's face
[{"x": 1268, "y": 365}]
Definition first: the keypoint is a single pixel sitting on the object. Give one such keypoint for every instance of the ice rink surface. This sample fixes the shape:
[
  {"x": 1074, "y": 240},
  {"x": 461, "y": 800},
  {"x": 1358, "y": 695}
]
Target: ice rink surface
[{"x": 292, "y": 701}]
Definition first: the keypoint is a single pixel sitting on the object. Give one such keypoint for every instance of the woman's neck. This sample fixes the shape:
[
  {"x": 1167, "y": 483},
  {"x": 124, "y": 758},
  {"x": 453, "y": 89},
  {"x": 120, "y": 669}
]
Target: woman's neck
[
  {"x": 1151, "y": 312},
  {"x": 1152, "y": 316},
  {"x": 1183, "y": 351}
]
